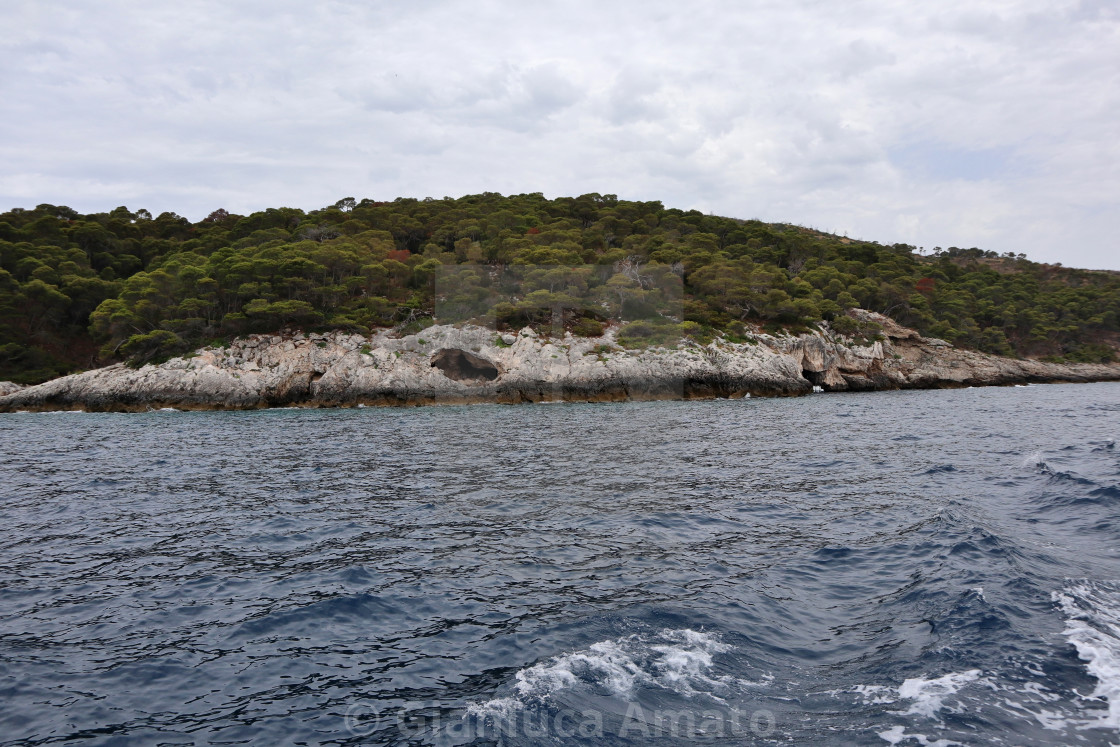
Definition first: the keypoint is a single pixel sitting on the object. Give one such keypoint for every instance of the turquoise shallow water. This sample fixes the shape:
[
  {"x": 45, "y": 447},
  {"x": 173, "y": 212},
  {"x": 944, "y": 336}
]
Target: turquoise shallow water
[{"x": 887, "y": 568}]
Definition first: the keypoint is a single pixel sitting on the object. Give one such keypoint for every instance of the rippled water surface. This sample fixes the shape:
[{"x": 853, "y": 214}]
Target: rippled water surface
[{"x": 889, "y": 568}]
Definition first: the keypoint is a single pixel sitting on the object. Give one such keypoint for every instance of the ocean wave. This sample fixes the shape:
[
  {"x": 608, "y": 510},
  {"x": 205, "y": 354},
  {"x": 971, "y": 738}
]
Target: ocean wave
[
  {"x": 925, "y": 697},
  {"x": 939, "y": 469},
  {"x": 679, "y": 661},
  {"x": 1106, "y": 491},
  {"x": 1068, "y": 476},
  {"x": 898, "y": 735},
  {"x": 1092, "y": 610},
  {"x": 1078, "y": 475}
]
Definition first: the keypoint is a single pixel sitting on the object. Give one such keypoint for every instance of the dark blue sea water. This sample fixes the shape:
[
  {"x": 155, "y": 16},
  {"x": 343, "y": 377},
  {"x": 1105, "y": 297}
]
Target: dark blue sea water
[{"x": 907, "y": 568}]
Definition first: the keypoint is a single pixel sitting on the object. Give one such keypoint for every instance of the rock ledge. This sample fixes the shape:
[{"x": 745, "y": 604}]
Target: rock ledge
[{"x": 447, "y": 364}]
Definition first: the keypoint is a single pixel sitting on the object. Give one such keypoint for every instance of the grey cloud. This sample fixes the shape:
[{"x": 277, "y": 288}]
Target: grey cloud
[
  {"x": 548, "y": 89},
  {"x": 631, "y": 96},
  {"x": 861, "y": 56},
  {"x": 504, "y": 96},
  {"x": 937, "y": 161}
]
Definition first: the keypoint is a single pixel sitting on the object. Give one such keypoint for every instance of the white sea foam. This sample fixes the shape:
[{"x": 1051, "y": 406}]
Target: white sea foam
[
  {"x": 876, "y": 694},
  {"x": 499, "y": 709},
  {"x": 1092, "y": 611},
  {"x": 898, "y": 735},
  {"x": 605, "y": 663},
  {"x": 928, "y": 696},
  {"x": 675, "y": 660}
]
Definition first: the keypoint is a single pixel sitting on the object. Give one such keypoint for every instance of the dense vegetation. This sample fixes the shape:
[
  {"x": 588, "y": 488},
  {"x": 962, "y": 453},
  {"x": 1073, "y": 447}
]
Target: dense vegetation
[{"x": 80, "y": 290}]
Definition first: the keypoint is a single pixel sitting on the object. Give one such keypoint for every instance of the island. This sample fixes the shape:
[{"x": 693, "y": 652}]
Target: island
[{"x": 489, "y": 298}]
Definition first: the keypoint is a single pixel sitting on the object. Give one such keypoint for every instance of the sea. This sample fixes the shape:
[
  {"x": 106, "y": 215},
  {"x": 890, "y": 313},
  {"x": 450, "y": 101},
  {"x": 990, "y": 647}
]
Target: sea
[{"x": 891, "y": 568}]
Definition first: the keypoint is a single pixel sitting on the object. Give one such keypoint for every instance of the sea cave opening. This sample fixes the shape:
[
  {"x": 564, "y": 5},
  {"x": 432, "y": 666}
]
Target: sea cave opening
[{"x": 463, "y": 366}]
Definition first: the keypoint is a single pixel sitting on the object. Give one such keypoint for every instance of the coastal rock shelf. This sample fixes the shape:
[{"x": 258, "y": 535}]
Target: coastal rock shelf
[{"x": 467, "y": 364}]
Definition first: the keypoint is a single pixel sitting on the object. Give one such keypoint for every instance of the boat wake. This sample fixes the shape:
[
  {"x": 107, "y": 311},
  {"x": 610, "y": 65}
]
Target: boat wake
[{"x": 1092, "y": 610}]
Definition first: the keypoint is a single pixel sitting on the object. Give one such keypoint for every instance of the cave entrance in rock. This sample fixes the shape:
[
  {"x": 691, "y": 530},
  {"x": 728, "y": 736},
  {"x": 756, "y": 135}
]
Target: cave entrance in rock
[
  {"x": 463, "y": 366},
  {"x": 816, "y": 378}
]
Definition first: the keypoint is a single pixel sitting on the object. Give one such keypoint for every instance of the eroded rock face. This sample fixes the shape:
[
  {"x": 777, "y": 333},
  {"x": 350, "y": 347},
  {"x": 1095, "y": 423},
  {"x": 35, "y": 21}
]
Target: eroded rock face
[
  {"x": 7, "y": 387},
  {"x": 463, "y": 366},
  {"x": 834, "y": 364},
  {"x": 446, "y": 364}
]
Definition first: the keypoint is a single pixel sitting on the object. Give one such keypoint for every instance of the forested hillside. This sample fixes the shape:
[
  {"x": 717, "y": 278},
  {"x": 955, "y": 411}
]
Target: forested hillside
[{"x": 78, "y": 291}]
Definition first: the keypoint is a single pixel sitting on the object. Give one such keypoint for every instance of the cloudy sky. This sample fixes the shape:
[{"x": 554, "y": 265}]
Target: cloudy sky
[{"x": 990, "y": 123}]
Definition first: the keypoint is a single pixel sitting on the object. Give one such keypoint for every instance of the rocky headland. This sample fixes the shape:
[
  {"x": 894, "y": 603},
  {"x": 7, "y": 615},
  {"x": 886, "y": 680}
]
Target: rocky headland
[{"x": 469, "y": 364}]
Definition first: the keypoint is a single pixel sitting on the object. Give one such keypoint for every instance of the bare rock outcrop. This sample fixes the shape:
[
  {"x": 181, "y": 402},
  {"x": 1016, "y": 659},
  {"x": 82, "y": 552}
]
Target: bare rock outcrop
[
  {"x": 7, "y": 387},
  {"x": 448, "y": 364},
  {"x": 903, "y": 359}
]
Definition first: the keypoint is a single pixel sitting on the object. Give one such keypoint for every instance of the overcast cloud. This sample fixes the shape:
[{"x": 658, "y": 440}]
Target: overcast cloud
[{"x": 990, "y": 123}]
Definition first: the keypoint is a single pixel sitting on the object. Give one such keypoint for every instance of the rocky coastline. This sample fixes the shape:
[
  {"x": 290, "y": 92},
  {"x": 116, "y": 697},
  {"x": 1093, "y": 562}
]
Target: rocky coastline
[{"x": 447, "y": 364}]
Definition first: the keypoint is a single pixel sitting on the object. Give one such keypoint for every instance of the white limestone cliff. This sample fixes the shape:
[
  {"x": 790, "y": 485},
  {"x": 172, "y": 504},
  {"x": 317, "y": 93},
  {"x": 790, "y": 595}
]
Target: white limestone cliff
[{"x": 462, "y": 364}]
